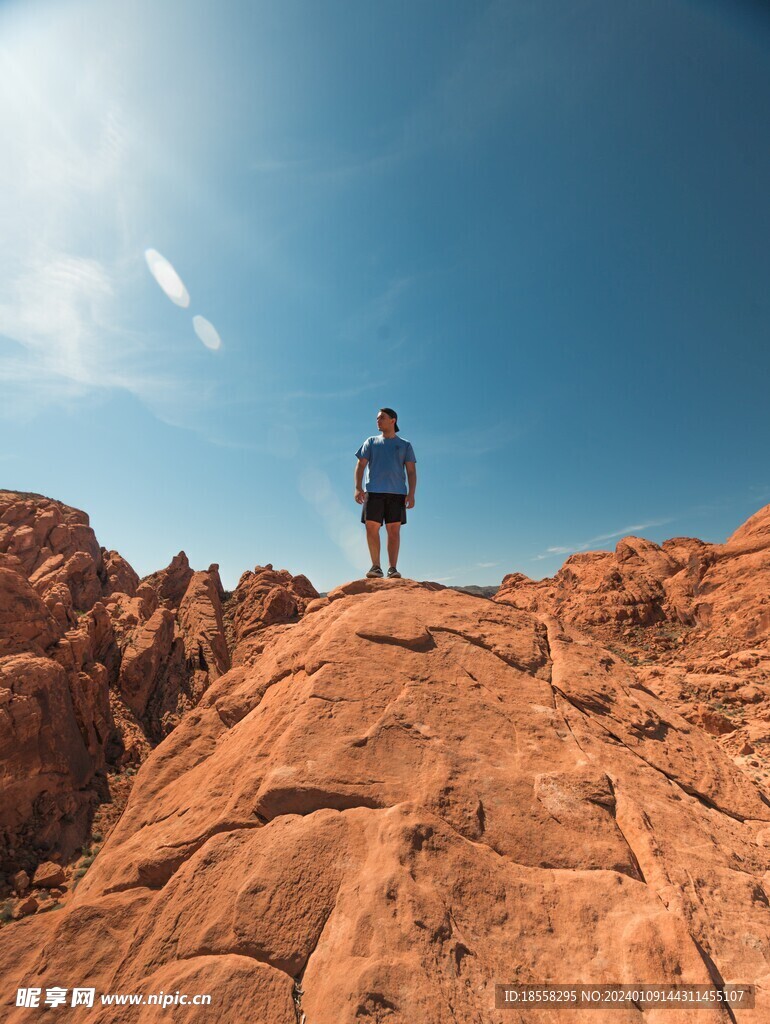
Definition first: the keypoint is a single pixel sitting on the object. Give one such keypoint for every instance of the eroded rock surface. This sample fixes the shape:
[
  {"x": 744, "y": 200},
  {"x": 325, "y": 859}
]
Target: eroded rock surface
[
  {"x": 694, "y": 618},
  {"x": 96, "y": 666},
  {"x": 170, "y": 584},
  {"x": 411, "y": 795},
  {"x": 265, "y": 597},
  {"x": 54, "y": 701}
]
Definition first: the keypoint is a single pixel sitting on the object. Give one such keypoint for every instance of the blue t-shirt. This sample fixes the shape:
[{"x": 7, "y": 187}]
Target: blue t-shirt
[{"x": 386, "y": 456}]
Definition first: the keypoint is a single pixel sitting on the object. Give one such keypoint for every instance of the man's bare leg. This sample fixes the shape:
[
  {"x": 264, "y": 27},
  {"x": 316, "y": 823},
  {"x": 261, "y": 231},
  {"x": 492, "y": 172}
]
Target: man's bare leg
[
  {"x": 394, "y": 539},
  {"x": 373, "y": 540}
]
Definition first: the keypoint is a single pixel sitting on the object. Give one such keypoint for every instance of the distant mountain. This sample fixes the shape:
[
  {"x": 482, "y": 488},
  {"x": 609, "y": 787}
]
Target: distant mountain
[{"x": 477, "y": 591}]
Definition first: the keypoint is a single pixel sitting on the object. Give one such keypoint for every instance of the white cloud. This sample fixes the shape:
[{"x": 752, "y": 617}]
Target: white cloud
[
  {"x": 54, "y": 307},
  {"x": 626, "y": 531},
  {"x": 72, "y": 214}
]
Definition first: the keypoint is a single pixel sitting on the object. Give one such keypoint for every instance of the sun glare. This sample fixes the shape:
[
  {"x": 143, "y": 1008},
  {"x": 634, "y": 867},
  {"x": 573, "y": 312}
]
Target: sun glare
[
  {"x": 207, "y": 332},
  {"x": 168, "y": 279}
]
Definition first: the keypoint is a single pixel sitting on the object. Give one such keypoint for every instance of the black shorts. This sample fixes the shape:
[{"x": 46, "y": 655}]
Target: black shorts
[{"x": 379, "y": 506}]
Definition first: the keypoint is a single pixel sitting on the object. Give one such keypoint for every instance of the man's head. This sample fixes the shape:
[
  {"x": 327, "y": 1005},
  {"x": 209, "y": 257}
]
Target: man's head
[{"x": 387, "y": 420}]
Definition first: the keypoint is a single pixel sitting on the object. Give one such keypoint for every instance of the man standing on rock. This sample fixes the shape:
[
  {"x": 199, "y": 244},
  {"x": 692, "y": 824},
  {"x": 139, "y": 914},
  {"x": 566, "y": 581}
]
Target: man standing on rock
[{"x": 385, "y": 495}]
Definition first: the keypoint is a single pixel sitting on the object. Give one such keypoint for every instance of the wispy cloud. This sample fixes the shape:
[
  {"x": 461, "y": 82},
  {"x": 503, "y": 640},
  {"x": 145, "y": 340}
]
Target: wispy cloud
[
  {"x": 339, "y": 522},
  {"x": 473, "y": 441},
  {"x": 55, "y": 308},
  {"x": 629, "y": 530},
  {"x": 459, "y": 571},
  {"x": 71, "y": 253},
  {"x": 626, "y": 531},
  {"x": 338, "y": 393}
]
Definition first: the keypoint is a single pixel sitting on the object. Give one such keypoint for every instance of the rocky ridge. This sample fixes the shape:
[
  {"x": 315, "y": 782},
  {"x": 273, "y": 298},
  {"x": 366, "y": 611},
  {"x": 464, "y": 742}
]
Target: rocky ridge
[
  {"x": 692, "y": 618},
  {"x": 408, "y": 796},
  {"x": 96, "y": 667},
  {"x": 355, "y": 807}
]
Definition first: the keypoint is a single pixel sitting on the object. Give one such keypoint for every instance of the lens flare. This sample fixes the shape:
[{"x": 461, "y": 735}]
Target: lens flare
[
  {"x": 207, "y": 333},
  {"x": 168, "y": 279}
]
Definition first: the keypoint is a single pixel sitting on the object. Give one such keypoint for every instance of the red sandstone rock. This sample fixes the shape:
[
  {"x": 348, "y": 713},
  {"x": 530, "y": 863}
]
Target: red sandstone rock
[
  {"x": 55, "y": 538},
  {"x": 132, "y": 743},
  {"x": 698, "y": 612},
  {"x": 409, "y": 796},
  {"x": 126, "y": 613},
  {"x": 46, "y": 764},
  {"x": 55, "y": 709},
  {"x": 202, "y": 627},
  {"x": 119, "y": 577},
  {"x": 171, "y": 583},
  {"x": 723, "y": 587},
  {"x": 266, "y": 597},
  {"x": 20, "y": 882},
  {"x": 53, "y": 546},
  {"x": 144, "y": 659},
  {"x": 58, "y": 600},
  {"x": 26, "y": 906},
  {"x": 25, "y": 622},
  {"x": 169, "y": 659},
  {"x": 48, "y": 875},
  {"x": 596, "y": 587},
  {"x": 78, "y": 574},
  {"x": 384, "y": 798},
  {"x": 716, "y": 724},
  {"x": 132, "y": 667}
]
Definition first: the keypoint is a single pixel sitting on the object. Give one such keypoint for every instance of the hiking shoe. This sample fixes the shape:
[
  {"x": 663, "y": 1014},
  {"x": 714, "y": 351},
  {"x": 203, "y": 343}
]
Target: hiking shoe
[
  {"x": 393, "y": 573},
  {"x": 375, "y": 573}
]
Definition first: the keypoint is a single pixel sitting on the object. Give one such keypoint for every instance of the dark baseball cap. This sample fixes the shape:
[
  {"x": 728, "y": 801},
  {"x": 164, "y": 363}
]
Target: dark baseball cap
[{"x": 392, "y": 413}]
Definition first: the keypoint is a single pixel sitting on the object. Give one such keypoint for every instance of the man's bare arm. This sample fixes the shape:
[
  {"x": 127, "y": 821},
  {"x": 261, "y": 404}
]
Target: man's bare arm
[
  {"x": 411, "y": 475},
  {"x": 359, "y": 479}
]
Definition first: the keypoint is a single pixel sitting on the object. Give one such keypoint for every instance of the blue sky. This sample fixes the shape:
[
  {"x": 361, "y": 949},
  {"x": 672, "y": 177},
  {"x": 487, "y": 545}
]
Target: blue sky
[{"x": 539, "y": 230}]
